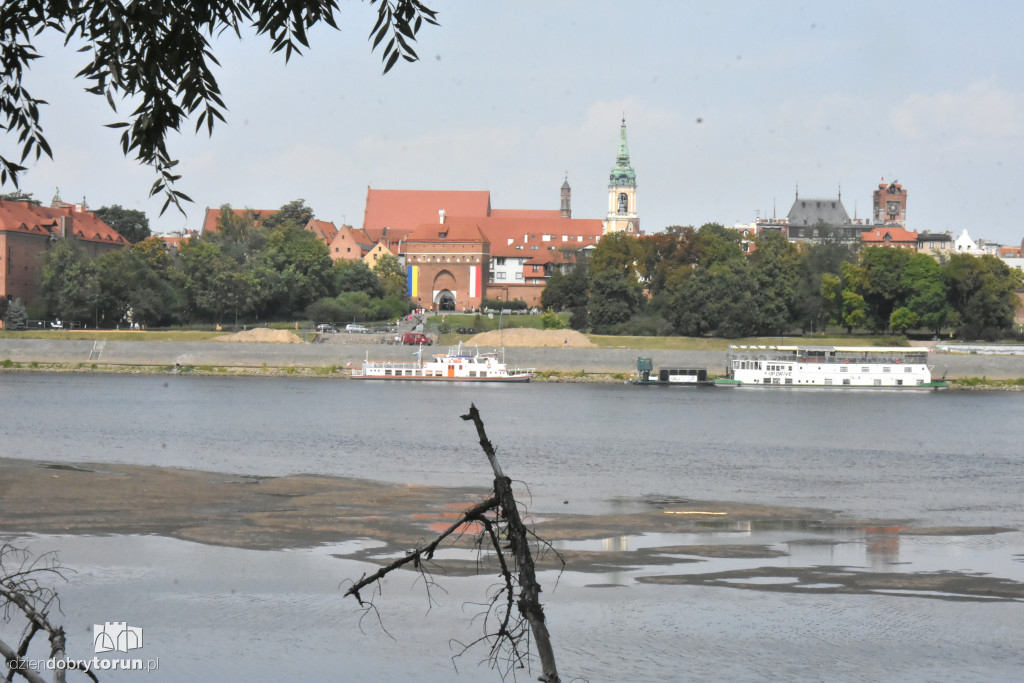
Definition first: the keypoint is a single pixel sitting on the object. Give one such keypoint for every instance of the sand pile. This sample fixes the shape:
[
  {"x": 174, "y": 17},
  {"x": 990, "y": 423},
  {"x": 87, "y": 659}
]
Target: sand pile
[
  {"x": 526, "y": 337},
  {"x": 262, "y": 334}
]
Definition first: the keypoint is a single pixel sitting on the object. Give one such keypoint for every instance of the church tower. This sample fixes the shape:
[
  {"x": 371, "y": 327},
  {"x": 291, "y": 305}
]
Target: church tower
[
  {"x": 566, "y": 209},
  {"x": 622, "y": 192}
]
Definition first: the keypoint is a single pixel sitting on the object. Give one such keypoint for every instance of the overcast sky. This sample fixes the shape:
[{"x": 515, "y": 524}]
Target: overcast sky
[{"x": 730, "y": 106}]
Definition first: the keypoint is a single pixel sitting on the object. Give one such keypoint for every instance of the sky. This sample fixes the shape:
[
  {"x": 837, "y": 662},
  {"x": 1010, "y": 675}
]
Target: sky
[{"x": 730, "y": 108}]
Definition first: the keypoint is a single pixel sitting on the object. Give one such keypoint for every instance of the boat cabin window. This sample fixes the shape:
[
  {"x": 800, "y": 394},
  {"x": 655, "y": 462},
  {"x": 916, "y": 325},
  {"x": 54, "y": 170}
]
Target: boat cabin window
[
  {"x": 899, "y": 383},
  {"x": 886, "y": 369},
  {"x": 907, "y": 369},
  {"x": 864, "y": 369},
  {"x": 878, "y": 382},
  {"x": 846, "y": 380},
  {"x": 844, "y": 369},
  {"x": 387, "y": 372}
]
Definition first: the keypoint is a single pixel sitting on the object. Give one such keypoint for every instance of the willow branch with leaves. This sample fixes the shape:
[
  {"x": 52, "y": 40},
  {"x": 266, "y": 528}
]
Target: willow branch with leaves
[{"x": 158, "y": 53}]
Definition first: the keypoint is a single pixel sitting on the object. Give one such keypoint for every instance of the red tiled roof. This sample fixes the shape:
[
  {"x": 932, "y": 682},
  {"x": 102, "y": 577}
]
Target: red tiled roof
[
  {"x": 30, "y": 218},
  {"x": 526, "y": 213},
  {"x": 453, "y": 230},
  {"x": 403, "y": 211},
  {"x": 506, "y": 234},
  {"x": 888, "y": 233},
  {"x": 210, "y": 221},
  {"x": 325, "y": 230}
]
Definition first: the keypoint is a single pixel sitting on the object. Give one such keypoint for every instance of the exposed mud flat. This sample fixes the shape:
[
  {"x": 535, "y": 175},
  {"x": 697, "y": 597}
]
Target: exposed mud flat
[{"x": 271, "y": 513}]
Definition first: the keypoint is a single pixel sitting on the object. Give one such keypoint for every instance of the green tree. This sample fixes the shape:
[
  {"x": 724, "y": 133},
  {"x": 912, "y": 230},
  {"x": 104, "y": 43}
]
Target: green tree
[
  {"x": 854, "y": 310},
  {"x": 294, "y": 212},
  {"x": 885, "y": 286},
  {"x": 775, "y": 281},
  {"x": 621, "y": 254},
  {"x": 16, "y": 317},
  {"x": 675, "y": 247},
  {"x": 157, "y": 56},
  {"x": 356, "y": 276},
  {"x": 391, "y": 274},
  {"x": 206, "y": 274},
  {"x": 130, "y": 224},
  {"x": 926, "y": 293},
  {"x": 613, "y": 299},
  {"x": 902, "y": 319},
  {"x": 717, "y": 244},
  {"x": 303, "y": 264},
  {"x": 982, "y": 290},
  {"x": 153, "y": 251},
  {"x": 68, "y": 282},
  {"x": 549, "y": 320},
  {"x": 129, "y": 291},
  {"x": 819, "y": 300}
]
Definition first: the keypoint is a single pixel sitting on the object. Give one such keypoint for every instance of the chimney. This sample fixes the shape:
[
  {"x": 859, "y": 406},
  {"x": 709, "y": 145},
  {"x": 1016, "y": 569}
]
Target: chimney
[
  {"x": 440, "y": 215},
  {"x": 67, "y": 227}
]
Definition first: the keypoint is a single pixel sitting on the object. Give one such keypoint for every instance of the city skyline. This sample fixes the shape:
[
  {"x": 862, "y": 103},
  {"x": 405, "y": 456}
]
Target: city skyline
[{"x": 728, "y": 108}]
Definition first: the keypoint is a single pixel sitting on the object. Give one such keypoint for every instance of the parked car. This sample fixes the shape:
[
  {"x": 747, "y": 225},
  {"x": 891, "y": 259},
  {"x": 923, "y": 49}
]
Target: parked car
[
  {"x": 416, "y": 338},
  {"x": 384, "y": 328},
  {"x": 352, "y": 328},
  {"x": 326, "y": 327}
]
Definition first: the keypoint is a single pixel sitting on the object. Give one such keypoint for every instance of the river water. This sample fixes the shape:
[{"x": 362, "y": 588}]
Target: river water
[{"x": 946, "y": 459}]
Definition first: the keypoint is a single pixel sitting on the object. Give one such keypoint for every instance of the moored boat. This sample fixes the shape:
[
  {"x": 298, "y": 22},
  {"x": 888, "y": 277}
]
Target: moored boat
[
  {"x": 669, "y": 376},
  {"x": 458, "y": 365},
  {"x": 863, "y": 367}
]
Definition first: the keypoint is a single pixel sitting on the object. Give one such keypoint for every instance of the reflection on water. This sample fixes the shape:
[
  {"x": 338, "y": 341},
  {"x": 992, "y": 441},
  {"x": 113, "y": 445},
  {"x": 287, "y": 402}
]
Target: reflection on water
[{"x": 224, "y": 614}]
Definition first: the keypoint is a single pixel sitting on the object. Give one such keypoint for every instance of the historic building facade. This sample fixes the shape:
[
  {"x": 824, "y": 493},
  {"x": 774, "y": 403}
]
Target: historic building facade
[{"x": 27, "y": 229}]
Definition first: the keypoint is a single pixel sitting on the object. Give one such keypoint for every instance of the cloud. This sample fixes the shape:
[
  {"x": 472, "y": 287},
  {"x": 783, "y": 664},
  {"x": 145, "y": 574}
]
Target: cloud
[{"x": 981, "y": 110}]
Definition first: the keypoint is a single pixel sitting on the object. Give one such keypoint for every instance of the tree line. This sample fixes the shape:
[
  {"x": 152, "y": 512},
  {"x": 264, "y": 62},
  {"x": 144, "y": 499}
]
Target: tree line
[
  {"x": 696, "y": 282},
  {"x": 247, "y": 271}
]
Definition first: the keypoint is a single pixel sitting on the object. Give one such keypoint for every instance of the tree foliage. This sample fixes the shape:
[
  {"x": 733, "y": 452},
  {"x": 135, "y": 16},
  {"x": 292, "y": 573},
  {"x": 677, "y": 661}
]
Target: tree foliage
[
  {"x": 16, "y": 317},
  {"x": 131, "y": 224},
  {"x": 701, "y": 282},
  {"x": 158, "y": 56},
  {"x": 69, "y": 282}
]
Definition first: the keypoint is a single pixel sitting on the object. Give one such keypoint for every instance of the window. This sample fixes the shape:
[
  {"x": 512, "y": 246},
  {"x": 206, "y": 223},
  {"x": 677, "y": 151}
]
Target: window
[
  {"x": 519, "y": 276},
  {"x": 499, "y": 276},
  {"x": 500, "y": 261},
  {"x": 886, "y": 369},
  {"x": 844, "y": 369},
  {"x": 878, "y": 382}
]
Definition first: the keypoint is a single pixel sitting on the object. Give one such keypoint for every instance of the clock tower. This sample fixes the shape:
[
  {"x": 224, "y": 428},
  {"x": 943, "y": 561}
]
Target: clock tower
[
  {"x": 622, "y": 215},
  {"x": 890, "y": 204}
]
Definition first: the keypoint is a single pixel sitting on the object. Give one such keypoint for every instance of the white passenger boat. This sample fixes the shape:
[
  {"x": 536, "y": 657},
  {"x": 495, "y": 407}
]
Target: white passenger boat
[
  {"x": 458, "y": 365},
  {"x": 863, "y": 367}
]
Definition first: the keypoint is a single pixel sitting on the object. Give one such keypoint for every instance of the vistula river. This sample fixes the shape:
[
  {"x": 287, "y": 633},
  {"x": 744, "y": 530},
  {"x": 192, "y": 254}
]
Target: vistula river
[{"x": 943, "y": 460}]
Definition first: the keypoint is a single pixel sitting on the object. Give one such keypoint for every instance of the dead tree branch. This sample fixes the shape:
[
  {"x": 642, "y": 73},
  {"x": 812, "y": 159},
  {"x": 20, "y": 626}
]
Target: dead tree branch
[
  {"x": 22, "y": 595},
  {"x": 520, "y": 614}
]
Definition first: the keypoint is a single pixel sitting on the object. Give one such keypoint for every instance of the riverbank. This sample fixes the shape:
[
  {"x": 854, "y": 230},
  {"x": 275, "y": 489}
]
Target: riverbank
[{"x": 615, "y": 365}]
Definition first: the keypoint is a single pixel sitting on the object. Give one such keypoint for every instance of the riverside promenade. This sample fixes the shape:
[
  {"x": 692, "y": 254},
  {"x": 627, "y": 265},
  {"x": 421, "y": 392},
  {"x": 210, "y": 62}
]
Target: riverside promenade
[{"x": 255, "y": 355}]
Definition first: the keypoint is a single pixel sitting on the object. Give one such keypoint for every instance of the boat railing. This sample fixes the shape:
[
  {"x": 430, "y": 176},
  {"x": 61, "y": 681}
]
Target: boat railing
[{"x": 846, "y": 359}]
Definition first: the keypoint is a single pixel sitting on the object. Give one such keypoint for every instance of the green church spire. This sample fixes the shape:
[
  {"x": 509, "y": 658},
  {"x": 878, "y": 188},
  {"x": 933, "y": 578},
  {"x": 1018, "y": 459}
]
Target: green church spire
[{"x": 623, "y": 174}]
